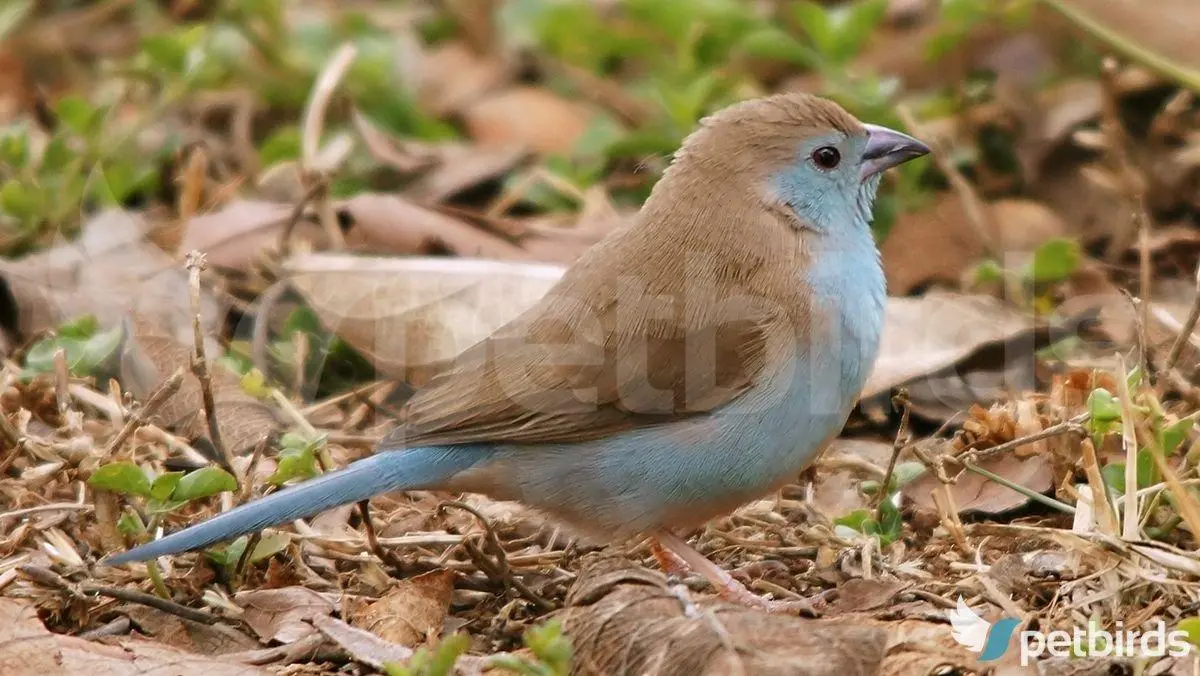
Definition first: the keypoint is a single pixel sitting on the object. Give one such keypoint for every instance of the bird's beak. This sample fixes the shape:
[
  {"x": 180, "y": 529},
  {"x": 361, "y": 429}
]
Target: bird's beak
[{"x": 887, "y": 148}]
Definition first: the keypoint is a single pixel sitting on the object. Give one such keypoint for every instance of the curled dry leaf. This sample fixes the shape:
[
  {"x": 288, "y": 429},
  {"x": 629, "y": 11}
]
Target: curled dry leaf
[
  {"x": 391, "y": 224},
  {"x": 410, "y": 613},
  {"x": 285, "y": 614},
  {"x": 528, "y": 116},
  {"x": 28, "y": 649},
  {"x": 841, "y": 470},
  {"x": 112, "y": 268},
  {"x": 410, "y": 312},
  {"x": 236, "y": 235},
  {"x": 361, "y": 645},
  {"x": 149, "y": 356},
  {"x": 623, "y": 619}
]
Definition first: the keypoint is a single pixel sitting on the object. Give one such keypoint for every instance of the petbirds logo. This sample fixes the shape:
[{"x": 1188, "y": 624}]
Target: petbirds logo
[
  {"x": 979, "y": 635},
  {"x": 991, "y": 640}
]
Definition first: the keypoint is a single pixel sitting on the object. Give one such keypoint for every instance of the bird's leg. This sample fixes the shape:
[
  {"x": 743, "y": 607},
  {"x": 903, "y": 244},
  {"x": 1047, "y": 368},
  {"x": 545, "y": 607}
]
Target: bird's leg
[
  {"x": 671, "y": 563},
  {"x": 675, "y": 549}
]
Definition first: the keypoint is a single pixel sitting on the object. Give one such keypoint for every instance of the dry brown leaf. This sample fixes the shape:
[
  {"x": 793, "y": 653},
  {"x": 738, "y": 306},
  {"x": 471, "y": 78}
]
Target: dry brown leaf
[
  {"x": 1169, "y": 30},
  {"x": 235, "y": 236},
  {"x": 149, "y": 356},
  {"x": 283, "y": 614},
  {"x": 361, "y": 645},
  {"x": 924, "y": 335},
  {"x": 842, "y": 468},
  {"x": 453, "y": 76},
  {"x": 410, "y": 613},
  {"x": 528, "y": 116},
  {"x": 409, "y": 312},
  {"x": 622, "y": 619},
  {"x": 462, "y": 167},
  {"x": 974, "y": 493},
  {"x": 391, "y": 224},
  {"x": 28, "y": 649},
  {"x": 110, "y": 270},
  {"x": 937, "y": 244},
  {"x": 861, "y": 594},
  {"x": 184, "y": 634}
]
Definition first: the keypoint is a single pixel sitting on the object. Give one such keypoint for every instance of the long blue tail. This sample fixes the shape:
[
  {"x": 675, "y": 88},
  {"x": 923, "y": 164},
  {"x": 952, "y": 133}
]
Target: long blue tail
[{"x": 410, "y": 469}]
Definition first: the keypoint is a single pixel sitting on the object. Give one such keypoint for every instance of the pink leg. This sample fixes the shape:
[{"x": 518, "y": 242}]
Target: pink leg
[{"x": 727, "y": 587}]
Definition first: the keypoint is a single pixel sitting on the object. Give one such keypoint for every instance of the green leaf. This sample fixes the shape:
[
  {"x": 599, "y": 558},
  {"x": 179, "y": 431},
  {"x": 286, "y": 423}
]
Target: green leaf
[
  {"x": 130, "y": 524},
  {"x": 19, "y": 200},
  {"x": 773, "y": 43},
  {"x": 164, "y": 485},
  {"x": 77, "y": 114},
  {"x": 1170, "y": 438},
  {"x": 14, "y": 146},
  {"x": 1103, "y": 406},
  {"x": 1054, "y": 261},
  {"x": 855, "y": 519},
  {"x": 85, "y": 354},
  {"x": 125, "y": 478},
  {"x": 202, "y": 483},
  {"x": 1147, "y": 473},
  {"x": 295, "y": 463},
  {"x": 1191, "y": 627},
  {"x": 853, "y": 25},
  {"x": 268, "y": 546},
  {"x": 816, "y": 23}
]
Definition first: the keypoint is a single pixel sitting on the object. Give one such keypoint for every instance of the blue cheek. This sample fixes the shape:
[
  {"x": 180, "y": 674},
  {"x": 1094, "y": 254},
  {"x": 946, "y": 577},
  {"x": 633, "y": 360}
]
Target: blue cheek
[{"x": 818, "y": 198}]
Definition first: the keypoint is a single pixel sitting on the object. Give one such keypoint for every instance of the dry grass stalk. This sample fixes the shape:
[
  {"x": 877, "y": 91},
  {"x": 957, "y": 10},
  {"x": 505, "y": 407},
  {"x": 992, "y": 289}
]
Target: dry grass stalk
[
  {"x": 1104, "y": 511},
  {"x": 200, "y": 365},
  {"x": 313, "y": 125},
  {"x": 156, "y": 399},
  {"x": 1129, "y": 529}
]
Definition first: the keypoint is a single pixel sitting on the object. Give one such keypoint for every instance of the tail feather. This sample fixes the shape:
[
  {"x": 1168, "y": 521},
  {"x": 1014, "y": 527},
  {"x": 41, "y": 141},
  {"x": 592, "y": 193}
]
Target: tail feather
[{"x": 409, "y": 469}]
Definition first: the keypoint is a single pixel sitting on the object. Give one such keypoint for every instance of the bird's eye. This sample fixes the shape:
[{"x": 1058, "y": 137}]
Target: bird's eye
[{"x": 827, "y": 157}]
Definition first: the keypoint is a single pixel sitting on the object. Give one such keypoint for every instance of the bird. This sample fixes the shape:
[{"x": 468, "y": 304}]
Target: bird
[{"x": 697, "y": 357}]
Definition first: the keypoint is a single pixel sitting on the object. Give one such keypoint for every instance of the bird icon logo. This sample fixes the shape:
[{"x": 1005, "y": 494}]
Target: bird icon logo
[{"x": 978, "y": 635}]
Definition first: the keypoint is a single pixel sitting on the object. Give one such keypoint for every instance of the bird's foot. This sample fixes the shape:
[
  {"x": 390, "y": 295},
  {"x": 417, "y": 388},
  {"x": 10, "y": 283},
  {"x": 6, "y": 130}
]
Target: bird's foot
[
  {"x": 677, "y": 558},
  {"x": 732, "y": 590}
]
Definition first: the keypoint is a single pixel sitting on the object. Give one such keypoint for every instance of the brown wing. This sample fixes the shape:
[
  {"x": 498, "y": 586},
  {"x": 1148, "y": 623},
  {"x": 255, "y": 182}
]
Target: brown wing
[{"x": 569, "y": 372}]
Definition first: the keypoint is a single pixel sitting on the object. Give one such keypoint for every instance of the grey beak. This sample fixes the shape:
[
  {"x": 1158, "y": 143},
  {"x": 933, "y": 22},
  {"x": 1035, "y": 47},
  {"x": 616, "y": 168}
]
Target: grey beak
[{"x": 887, "y": 148}]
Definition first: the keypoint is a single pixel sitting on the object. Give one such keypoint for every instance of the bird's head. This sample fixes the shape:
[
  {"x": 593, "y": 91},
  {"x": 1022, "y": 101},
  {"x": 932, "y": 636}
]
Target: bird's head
[{"x": 801, "y": 154}]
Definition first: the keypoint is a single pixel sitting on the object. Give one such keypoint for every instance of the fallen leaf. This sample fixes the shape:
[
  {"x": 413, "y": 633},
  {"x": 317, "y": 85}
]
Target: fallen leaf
[
  {"x": 391, "y": 224},
  {"x": 528, "y": 116},
  {"x": 236, "y": 235},
  {"x": 462, "y": 167},
  {"x": 924, "y": 335},
  {"x": 453, "y": 76},
  {"x": 410, "y": 613},
  {"x": 975, "y": 493},
  {"x": 859, "y": 595},
  {"x": 150, "y": 356},
  {"x": 403, "y": 313},
  {"x": 283, "y": 614},
  {"x": 184, "y": 634},
  {"x": 937, "y": 245},
  {"x": 622, "y": 619},
  {"x": 111, "y": 269},
  {"x": 28, "y": 649},
  {"x": 363, "y": 646},
  {"x": 1168, "y": 31},
  {"x": 841, "y": 470}
]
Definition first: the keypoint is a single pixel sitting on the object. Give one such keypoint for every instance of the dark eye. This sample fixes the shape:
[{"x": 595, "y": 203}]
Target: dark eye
[{"x": 827, "y": 157}]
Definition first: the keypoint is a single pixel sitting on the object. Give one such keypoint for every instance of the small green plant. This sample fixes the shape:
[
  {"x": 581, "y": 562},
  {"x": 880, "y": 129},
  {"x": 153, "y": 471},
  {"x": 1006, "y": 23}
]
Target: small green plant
[
  {"x": 89, "y": 351},
  {"x": 1051, "y": 263},
  {"x": 297, "y": 459},
  {"x": 552, "y": 655},
  {"x": 436, "y": 661},
  {"x": 551, "y": 649}
]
